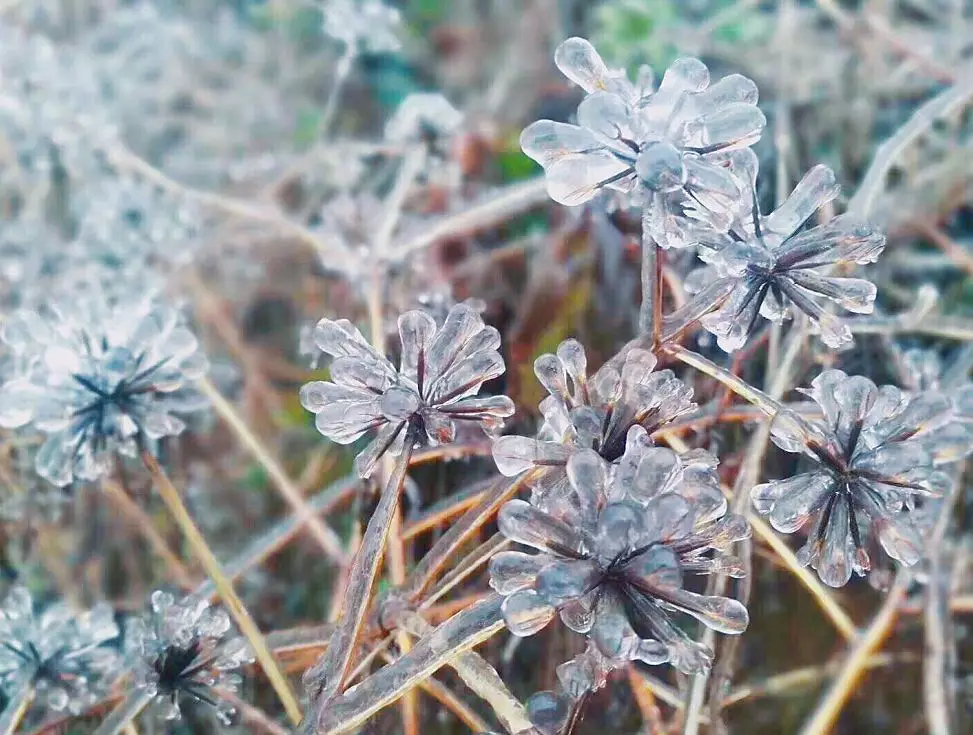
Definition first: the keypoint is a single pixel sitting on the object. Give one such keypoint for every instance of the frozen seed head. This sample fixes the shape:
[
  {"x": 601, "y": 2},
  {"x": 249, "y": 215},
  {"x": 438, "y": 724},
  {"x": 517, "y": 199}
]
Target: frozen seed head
[
  {"x": 773, "y": 267},
  {"x": 876, "y": 450},
  {"x": 66, "y": 657},
  {"x": 442, "y": 368},
  {"x": 99, "y": 375},
  {"x": 596, "y": 412},
  {"x": 184, "y": 650},
  {"x": 422, "y": 116},
  {"x": 365, "y": 26},
  {"x": 613, "y": 554},
  {"x": 670, "y": 146}
]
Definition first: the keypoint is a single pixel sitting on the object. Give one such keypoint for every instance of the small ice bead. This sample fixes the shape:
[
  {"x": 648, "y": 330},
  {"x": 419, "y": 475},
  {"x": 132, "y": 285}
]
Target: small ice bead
[
  {"x": 621, "y": 527},
  {"x": 571, "y": 354},
  {"x": 547, "y": 712},
  {"x": 516, "y": 454},
  {"x": 563, "y": 580},
  {"x": 519, "y": 521},
  {"x": 513, "y": 570},
  {"x": 551, "y": 375},
  {"x": 658, "y": 470},
  {"x": 399, "y": 403},
  {"x": 525, "y": 613},
  {"x": 579, "y": 62},
  {"x": 660, "y": 167},
  {"x": 818, "y": 187},
  {"x": 722, "y": 614},
  {"x": 790, "y": 503},
  {"x": 416, "y": 330}
]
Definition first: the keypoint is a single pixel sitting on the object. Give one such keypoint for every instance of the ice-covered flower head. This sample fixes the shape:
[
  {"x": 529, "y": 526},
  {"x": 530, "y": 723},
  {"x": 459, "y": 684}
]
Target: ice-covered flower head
[
  {"x": 875, "y": 450},
  {"x": 614, "y": 553},
  {"x": 184, "y": 650},
  {"x": 99, "y": 374},
  {"x": 64, "y": 656},
  {"x": 596, "y": 412},
  {"x": 368, "y": 26},
  {"x": 671, "y": 148},
  {"x": 772, "y": 267},
  {"x": 441, "y": 370}
]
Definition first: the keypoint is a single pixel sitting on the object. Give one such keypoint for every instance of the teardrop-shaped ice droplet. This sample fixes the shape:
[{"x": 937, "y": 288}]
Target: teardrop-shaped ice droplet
[{"x": 526, "y": 613}]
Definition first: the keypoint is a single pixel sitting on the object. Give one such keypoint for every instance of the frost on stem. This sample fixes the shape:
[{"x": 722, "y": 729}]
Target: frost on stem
[
  {"x": 62, "y": 655},
  {"x": 613, "y": 553},
  {"x": 590, "y": 413},
  {"x": 441, "y": 371},
  {"x": 876, "y": 451},
  {"x": 99, "y": 375},
  {"x": 184, "y": 650},
  {"x": 776, "y": 267},
  {"x": 672, "y": 148}
]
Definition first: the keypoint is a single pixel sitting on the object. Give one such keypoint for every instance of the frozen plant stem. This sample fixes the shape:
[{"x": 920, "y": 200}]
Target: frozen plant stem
[
  {"x": 330, "y": 673},
  {"x": 650, "y": 282},
  {"x": 231, "y": 600},
  {"x": 122, "y": 716},
  {"x": 460, "y": 633},
  {"x": 16, "y": 708},
  {"x": 341, "y": 73}
]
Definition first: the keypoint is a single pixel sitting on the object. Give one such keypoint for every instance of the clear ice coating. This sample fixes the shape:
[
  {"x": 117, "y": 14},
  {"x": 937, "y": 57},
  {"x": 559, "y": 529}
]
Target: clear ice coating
[
  {"x": 590, "y": 412},
  {"x": 877, "y": 450},
  {"x": 773, "y": 267},
  {"x": 612, "y": 552},
  {"x": 672, "y": 147},
  {"x": 441, "y": 371},
  {"x": 66, "y": 657},
  {"x": 185, "y": 649},
  {"x": 99, "y": 375}
]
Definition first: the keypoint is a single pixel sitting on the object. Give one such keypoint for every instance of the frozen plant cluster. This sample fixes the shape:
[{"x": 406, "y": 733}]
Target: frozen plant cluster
[
  {"x": 613, "y": 520},
  {"x": 441, "y": 371},
  {"x": 183, "y": 649},
  {"x": 99, "y": 376},
  {"x": 615, "y": 550},
  {"x": 878, "y": 451},
  {"x": 64, "y": 661}
]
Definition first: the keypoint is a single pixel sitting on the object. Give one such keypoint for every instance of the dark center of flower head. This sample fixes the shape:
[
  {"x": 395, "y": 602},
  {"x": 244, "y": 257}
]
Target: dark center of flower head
[
  {"x": 92, "y": 419},
  {"x": 177, "y": 668},
  {"x": 45, "y": 668}
]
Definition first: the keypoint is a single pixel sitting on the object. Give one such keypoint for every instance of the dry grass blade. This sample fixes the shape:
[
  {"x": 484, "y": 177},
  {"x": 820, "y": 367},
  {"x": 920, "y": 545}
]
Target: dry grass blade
[
  {"x": 231, "y": 600},
  {"x": 326, "y": 538},
  {"x": 827, "y": 711}
]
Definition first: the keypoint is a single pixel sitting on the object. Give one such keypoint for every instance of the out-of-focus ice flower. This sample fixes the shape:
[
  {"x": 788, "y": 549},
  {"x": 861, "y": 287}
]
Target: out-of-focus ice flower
[
  {"x": 442, "y": 369},
  {"x": 62, "y": 655},
  {"x": 590, "y": 413},
  {"x": 99, "y": 375},
  {"x": 773, "y": 266},
  {"x": 671, "y": 148},
  {"x": 124, "y": 220},
  {"x": 613, "y": 554},
  {"x": 422, "y": 115},
  {"x": 876, "y": 450},
  {"x": 368, "y": 26},
  {"x": 184, "y": 649}
]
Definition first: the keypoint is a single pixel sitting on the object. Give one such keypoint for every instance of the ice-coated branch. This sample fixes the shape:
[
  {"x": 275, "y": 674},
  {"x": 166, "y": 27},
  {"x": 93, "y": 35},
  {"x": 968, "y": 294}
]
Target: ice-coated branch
[
  {"x": 325, "y": 679},
  {"x": 460, "y": 633}
]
